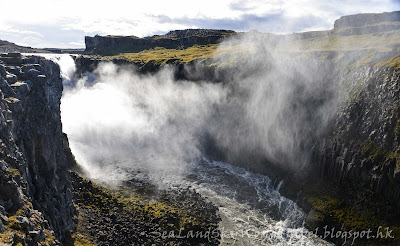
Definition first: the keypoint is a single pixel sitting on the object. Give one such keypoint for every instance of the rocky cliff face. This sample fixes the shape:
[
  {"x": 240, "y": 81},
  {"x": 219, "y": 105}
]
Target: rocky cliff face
[
  {"x": 35, "y": 192},
  {"x": 360, "y": 20},
  {"x": 174, "y": 39},
  {"x": 363, "y": 147}
]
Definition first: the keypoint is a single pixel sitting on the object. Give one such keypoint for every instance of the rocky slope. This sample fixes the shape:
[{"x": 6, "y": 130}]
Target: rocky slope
[
  {"x": 139, "y": 213},
  {"x": 6, "y": 47},
  {"x": 35, "y": 192}
]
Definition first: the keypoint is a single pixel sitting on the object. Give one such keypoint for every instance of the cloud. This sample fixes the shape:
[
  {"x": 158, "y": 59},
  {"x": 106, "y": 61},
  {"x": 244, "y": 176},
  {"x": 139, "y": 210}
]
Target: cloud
[
  {"x": 58, "y": 23},
  {"x": 77, "y": 44},
  {"x": 274, "y": 23},
  {"x": 11, "y": 29},
  {"x": 142, "y": 27}
]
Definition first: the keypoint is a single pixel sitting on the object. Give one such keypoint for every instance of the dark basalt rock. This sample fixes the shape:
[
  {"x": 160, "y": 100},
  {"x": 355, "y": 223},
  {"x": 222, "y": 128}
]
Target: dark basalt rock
[
  {"x": 34, "y": 180},
  {"x": 174, "y": 39},
  {"x": 364, "y": 141}
]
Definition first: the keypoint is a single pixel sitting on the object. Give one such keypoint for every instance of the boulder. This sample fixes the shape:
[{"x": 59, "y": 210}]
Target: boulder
[
  {"x": 314, "y": 220},
  {"x": 35, "y": 236},
  {"x": 14, "y": 70},
  {"x": 11, "y": 60},
  {"x": 23, "y": 222},
  {"x": 3, "y": 218},
  {"x": 14, "y": 104},
  {"x": 21, "y": 87},
  {"x": 3, "y": 71},
  {"x": 32, "y": 73},
  {"x": 2, "y": 227},
  {"x": 41, "y": 79},
  {"x": 6, "y": 89},
  {"x": 11, "y": 78}
]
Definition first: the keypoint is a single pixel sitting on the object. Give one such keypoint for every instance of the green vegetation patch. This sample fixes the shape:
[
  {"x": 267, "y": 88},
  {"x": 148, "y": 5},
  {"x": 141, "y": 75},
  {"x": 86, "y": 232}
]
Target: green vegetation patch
[
  {"x": 104, "y": 210},
  {"x": 161, "y": 56},
  {"x": 348, "y": 218},
  {"x": 391, "y": 62},
  {"x": 15, "y": 172},
  {"x": 384, "y": 42}
]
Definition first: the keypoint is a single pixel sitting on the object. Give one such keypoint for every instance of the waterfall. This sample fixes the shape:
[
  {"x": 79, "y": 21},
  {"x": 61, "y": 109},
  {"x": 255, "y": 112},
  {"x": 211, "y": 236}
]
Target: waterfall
[{"x": 124, "y": 126}]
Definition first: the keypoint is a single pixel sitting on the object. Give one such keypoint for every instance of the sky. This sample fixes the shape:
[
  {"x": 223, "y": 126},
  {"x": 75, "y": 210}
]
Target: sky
[{"x": 64, "y": 23}]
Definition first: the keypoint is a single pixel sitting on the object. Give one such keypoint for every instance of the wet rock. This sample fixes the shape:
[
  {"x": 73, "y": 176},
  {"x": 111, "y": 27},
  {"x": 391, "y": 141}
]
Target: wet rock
[{"x": 314, "y": 220}]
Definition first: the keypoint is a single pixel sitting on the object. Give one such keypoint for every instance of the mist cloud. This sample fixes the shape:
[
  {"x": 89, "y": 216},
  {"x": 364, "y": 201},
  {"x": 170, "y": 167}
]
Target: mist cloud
[
  {"x": 271, "y": 110},
  {"x": 152, "y": 122}
]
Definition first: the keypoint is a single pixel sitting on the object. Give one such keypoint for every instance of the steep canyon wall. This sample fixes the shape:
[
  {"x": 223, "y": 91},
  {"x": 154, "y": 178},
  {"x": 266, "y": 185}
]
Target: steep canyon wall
[{"x": 35, "y": 191}]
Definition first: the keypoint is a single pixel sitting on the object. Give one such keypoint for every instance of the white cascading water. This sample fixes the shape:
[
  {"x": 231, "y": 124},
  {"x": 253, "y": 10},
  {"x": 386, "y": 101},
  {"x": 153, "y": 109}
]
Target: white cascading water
[{"x": 121, "y": 130}]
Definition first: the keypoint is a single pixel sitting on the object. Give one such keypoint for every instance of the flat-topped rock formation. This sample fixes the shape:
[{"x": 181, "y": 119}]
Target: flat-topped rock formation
[
  {"x": 345, "y": 26},
  {"x": 174, "y": 39},
  {"x": 360, "y": 20}
]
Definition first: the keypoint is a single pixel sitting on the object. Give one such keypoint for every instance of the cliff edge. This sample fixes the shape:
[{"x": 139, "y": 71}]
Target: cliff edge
[
  {"x": 108, "y": 45},
  {"x": 35, "y": 192},
  {"x": 360, "y": 20}
]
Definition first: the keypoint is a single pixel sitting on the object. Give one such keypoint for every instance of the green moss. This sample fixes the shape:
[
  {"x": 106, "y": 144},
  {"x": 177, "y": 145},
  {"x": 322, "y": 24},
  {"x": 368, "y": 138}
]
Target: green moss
[
  {"x": 391, "y": 62},
  {"x": 161, "y": 56},
  {"x": 50, "y": 238},
  {"x": 15, "y": 172},
  {"x": 396, "y": 156},
  {"x": 12, "y": 220},
  {"x": 338, "y": 212},
  {"x": 6, "y": 237},
  {"x": 375, "y": 153},
  {"x": 107, "y": 199},
  {"x": 82, "y": 241},
  {"x": 77, "y": 239},
  {"x": 366, "y": 60},
  {"x": 378, "y": 154},
  {"x": 382, "y": 43}
]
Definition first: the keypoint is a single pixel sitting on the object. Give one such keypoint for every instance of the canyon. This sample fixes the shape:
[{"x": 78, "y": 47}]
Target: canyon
[{"x": 329, "y": 141}]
